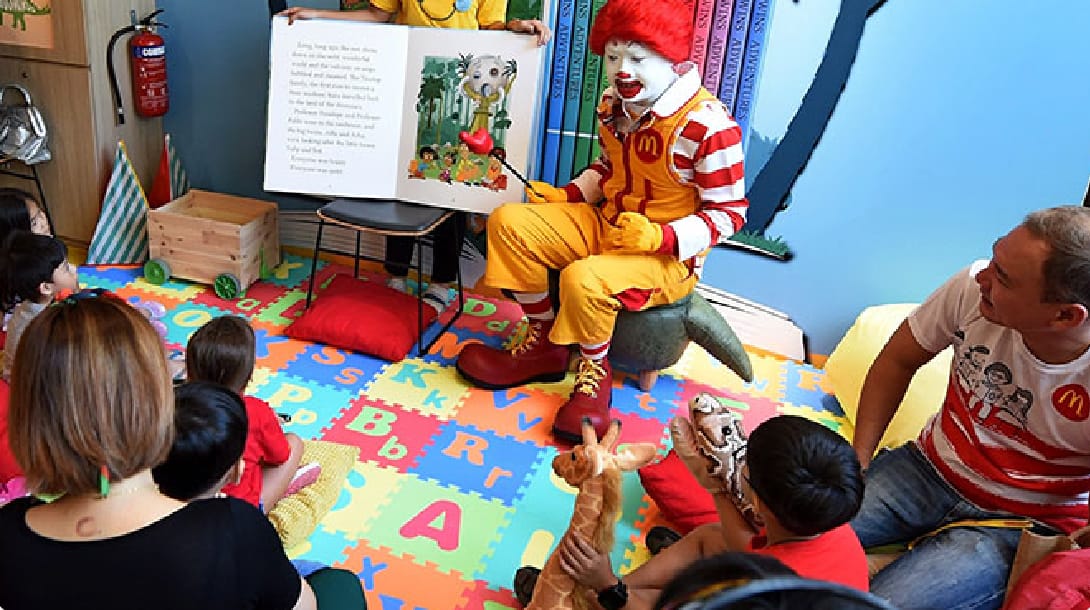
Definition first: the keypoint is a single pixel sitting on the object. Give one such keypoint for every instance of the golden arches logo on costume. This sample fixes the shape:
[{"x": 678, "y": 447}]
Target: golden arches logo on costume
[
  {"x": 1072, "y": 401},
  {"x": 648, "y": 146}
]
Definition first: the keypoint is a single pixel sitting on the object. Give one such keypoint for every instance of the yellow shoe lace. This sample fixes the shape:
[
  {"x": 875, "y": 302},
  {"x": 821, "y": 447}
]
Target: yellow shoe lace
[
  {"x": 588, "y": 376},
  {"x": 525, "y": 338}
]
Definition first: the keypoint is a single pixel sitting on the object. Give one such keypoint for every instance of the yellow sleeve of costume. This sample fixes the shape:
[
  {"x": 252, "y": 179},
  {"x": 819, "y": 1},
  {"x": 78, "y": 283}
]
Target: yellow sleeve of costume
[{"x": 492, "y": 11}]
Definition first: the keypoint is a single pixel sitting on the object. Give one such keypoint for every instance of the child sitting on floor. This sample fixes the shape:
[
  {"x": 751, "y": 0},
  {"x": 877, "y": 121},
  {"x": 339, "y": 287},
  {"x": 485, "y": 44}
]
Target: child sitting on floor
[
  {"x": 222, "y": 351},
  {"x": 34, "y": 270},
  {"x": 802, "y": 480},
  {"x": 210, "y": 427}
]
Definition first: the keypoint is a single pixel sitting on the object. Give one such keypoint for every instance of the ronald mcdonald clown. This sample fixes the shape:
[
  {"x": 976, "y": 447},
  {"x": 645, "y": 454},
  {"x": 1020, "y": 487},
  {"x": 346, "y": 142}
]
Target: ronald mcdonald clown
[{"x": 632, "y": 230}]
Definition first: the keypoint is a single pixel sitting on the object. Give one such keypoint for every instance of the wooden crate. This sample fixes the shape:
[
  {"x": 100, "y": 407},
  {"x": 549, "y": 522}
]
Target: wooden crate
[{"x": 202, "y": 235}]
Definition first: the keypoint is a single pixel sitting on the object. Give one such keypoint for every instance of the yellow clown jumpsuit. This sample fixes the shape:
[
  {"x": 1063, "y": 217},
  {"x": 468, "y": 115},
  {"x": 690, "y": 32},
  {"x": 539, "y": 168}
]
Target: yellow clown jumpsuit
[{"x": 526, "y": 240}]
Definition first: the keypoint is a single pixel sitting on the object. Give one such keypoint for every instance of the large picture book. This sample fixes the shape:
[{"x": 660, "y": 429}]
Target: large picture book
[{"x": 375, "y": 111}]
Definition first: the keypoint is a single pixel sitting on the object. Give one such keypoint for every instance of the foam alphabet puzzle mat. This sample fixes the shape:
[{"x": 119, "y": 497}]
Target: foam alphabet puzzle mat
[{"x": 453, "y": 489}]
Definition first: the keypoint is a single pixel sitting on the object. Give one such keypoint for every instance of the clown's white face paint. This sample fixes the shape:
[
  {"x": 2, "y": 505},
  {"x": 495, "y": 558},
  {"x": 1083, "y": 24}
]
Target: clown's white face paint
[{"x": 638, "y": 74}]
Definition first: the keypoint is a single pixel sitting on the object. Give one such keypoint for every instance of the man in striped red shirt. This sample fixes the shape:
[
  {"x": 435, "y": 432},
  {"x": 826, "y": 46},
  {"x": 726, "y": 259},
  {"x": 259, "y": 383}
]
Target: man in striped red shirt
[
  {"x": 1011, "y": 443},
  {"x": 632, "y": 230}
]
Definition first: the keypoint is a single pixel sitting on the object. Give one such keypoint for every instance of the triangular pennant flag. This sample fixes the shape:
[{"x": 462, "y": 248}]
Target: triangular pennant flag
[
  {"x": 121, "y": 235},
  {"x": 179, "y": 182},
  {"x": 170, "y": 180}
]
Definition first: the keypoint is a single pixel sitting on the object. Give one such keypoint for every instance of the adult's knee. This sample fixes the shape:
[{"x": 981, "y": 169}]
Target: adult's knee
[
  {"x": 502, "y": 219},
  {"x": 580, "y": 278}
]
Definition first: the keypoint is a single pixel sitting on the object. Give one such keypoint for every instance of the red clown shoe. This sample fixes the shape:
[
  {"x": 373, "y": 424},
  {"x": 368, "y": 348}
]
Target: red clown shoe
[
  {"x": 530, "y": 357},
  {"x": 590, "y": 398}
]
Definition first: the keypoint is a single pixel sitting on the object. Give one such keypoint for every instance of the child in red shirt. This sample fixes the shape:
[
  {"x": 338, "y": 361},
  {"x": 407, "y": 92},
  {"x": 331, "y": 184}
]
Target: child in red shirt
[{"x": 222, "y": 351}]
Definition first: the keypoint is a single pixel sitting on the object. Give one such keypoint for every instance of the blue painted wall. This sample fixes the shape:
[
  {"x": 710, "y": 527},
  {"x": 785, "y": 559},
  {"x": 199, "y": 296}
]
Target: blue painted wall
[{"x": 958, "y": 118}]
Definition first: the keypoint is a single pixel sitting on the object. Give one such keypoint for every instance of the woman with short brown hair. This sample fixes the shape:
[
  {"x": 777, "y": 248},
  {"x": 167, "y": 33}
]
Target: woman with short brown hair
[{"x": 91, "y": 414}]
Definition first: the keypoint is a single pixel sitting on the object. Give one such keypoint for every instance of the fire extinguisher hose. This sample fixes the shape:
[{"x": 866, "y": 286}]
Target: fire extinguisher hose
[{"x": 113, "y": 72}]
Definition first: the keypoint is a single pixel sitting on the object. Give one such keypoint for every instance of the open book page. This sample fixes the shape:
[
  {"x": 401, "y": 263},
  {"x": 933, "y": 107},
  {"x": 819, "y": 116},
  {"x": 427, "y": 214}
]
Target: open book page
[
  {"x": 335, "y": 107},
  {"x": 468, "y": 81},
  {"x": 375, "y": 110}
]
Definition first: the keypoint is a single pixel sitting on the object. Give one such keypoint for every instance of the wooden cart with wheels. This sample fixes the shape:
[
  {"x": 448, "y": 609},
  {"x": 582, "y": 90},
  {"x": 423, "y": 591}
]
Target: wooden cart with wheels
[{"x": 226, "y": 241}]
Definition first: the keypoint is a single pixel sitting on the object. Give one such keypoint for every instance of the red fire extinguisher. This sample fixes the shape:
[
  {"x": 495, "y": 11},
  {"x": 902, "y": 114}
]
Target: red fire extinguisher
[{"x": 148, "y": 62}]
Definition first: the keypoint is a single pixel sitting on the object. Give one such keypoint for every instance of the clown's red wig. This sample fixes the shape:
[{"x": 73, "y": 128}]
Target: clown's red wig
[{"x": 665, "y": 26}]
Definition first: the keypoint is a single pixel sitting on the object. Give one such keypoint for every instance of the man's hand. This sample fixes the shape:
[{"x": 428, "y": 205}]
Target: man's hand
[
  {"x": 531, "y": 26},
  {"x": 545, "y": 193},
  {"x": 584, "y": 563},
  {"x": 636, "y": 233}
]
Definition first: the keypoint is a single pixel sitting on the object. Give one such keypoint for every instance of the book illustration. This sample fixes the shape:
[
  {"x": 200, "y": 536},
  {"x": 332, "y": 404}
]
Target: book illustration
[{"x": 452, "y": 91}]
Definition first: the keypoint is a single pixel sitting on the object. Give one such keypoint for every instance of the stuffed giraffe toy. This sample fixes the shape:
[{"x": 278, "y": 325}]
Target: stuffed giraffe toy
[{"x": 595, "y": 468}]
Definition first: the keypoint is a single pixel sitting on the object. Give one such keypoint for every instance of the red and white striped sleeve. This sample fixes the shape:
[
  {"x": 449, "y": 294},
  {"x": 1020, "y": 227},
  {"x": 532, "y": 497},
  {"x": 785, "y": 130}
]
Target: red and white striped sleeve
[{"x": 708, "y": 154}]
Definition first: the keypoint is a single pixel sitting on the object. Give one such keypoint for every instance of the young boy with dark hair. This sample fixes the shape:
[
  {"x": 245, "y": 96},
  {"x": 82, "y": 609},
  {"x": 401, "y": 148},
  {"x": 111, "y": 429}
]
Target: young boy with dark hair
[
  {"x": 210, "y": 426},
  {"x": 34, "y": 269},
  {"x": 787, "y": 492},
  {"x": 222, "y": 351}
]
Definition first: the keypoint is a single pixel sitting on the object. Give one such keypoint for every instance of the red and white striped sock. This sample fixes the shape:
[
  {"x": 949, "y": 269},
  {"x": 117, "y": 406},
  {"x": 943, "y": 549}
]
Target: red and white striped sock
[
  {"x": 536, "y": 305},
  {"x": 594, "y": 351}
]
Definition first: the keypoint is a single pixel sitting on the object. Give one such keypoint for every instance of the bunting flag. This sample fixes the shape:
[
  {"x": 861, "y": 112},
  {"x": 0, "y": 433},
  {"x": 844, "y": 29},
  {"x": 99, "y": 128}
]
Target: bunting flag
[
  {"x": 121, "y": 235},
  {"x": 170, "y": 181}
]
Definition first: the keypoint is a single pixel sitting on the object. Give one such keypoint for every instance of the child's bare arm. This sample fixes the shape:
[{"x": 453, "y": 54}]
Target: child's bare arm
[{"x": 370, "y": 14}]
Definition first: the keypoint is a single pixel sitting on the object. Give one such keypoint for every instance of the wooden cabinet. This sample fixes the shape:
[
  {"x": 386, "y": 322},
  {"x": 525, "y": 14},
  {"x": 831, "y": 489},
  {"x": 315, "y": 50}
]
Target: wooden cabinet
[{"x": 69, "y": 84}]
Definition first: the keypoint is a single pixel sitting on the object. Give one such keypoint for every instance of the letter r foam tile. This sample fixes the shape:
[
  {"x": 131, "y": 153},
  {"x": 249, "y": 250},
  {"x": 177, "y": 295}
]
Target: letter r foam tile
[{"x": 479, "y": 461}]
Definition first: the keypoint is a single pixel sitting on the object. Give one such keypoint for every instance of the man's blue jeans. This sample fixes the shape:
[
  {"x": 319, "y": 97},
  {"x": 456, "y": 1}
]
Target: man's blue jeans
[{"x": 958, "y": 568}]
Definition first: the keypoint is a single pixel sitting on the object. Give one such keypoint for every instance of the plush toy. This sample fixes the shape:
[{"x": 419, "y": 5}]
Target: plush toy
[{"x": 595, "y": 469}]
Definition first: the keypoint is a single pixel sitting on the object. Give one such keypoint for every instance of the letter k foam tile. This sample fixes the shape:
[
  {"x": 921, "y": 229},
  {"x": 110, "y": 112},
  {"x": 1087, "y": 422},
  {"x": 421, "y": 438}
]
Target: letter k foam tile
[{"x": 421, "y": 386}]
